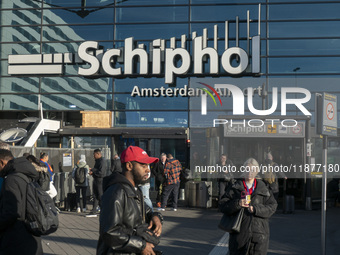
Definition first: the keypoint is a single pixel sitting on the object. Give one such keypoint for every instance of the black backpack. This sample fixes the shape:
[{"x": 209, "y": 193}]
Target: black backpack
[
  {"x": 79, "y": 175},
  {"x": 44, "y": 180},
  {"x": 41, "y": 215}
]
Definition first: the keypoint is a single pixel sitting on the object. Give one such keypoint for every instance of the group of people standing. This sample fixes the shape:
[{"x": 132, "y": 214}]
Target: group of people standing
[
  {"x": 127, "y": 224},
  {"x": 98, "y": 173},
  {"x": 167, "y": 172},
  {"x": 270, "y": 177}
]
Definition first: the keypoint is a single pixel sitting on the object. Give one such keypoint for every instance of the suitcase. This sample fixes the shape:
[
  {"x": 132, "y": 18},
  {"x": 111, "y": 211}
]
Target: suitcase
[{"x": 71, "y": 202}]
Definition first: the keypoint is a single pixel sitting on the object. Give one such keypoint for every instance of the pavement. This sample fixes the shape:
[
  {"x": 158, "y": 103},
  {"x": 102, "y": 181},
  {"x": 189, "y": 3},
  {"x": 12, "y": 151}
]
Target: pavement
[{"x": 193, "y": 231}]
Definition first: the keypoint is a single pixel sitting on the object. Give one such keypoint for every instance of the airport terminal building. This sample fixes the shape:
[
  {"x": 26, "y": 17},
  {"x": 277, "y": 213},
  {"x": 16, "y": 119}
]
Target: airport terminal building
[{"x": 173, "y": 75}]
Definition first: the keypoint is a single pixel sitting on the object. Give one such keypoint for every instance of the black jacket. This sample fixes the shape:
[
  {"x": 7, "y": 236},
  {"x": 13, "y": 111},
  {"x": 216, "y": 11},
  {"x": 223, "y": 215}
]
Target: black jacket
[
  {"x": 122, "y": 211},
  {"x": 99, "y": 170},
  {"x": 116, "y": 165},
  {"x": 14, "y": 238},
  {"x": 254, "y": 227},
  {"x": 158, "y": 172}
]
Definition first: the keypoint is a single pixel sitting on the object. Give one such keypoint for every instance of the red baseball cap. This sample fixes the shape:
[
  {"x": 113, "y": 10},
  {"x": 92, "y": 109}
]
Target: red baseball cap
[{"x": 134, "y": 153}]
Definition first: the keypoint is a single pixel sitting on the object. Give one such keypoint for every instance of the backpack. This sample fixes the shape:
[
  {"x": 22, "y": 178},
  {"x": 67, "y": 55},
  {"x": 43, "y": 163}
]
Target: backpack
[
  {"x": 41, "y": 216},
  {"x": 79, "y": 175},
  {"x": 44, "y": 180}
]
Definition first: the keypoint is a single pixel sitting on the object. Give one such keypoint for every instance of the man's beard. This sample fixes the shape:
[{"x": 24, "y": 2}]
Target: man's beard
[{"x": 138, "y": 178}]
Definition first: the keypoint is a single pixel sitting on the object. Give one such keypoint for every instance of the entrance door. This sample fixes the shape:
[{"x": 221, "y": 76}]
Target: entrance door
[
  {"x": 240, "y": 149},
  {"x": 284, "y": 151}
]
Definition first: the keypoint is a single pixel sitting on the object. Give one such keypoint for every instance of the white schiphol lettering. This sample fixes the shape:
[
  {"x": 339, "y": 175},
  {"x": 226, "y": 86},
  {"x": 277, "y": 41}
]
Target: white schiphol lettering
[
  {"x": 188, "y": 58},
  {"x": 174, "y": 61}
]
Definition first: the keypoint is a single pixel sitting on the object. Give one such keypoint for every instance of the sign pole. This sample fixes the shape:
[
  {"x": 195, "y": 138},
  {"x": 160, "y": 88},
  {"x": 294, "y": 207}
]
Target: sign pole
[
  {"x": 326, "y": 124},
  {"x": 324, "y": 196}
]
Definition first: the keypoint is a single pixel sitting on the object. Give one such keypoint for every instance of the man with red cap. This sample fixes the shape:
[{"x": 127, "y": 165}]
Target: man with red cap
[{"x": 127, "y": 225}]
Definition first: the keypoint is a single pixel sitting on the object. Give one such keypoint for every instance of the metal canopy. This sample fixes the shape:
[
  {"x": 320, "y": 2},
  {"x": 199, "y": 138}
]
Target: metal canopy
[{"x": 174, "y": 133}]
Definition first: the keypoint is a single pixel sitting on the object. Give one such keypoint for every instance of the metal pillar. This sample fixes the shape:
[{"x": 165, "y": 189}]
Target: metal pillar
[{"x": 324, "y": 196}]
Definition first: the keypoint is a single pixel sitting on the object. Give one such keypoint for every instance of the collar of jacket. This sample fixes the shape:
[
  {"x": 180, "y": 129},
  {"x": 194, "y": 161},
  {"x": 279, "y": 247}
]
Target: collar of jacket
[
  {"x": 261, "y": 188},
  {"x": 130, "y": 192},
  {"x": 116, "y": 177}
]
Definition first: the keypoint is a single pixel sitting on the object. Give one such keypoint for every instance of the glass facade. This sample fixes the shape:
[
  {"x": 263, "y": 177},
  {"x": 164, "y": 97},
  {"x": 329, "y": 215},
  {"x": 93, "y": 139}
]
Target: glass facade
[{"x": 299, "y": 45}]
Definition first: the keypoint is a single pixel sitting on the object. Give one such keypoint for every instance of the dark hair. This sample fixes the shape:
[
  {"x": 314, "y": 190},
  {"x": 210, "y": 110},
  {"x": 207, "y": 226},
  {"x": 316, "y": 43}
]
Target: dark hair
[
  {"x": 43, "y": 154},
  {"x": 124, "y": 169},
  {"x": 26, "y": 154},
  {"x": 6, "y": 154},
  {"x": 169, "y": 155},
  {"x": 34, "y": 160},
  {"x": 97, "y": 150}
]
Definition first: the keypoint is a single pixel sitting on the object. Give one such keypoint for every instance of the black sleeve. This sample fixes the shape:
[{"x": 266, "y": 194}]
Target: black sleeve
[
  {"x": 266, "y": 209},
  {"x": 229, "y": 203},
  {"x": 98, "y": 169},
  {"x": 154, "y": 169},
  {"x": 12, "y": 202},
  {"x": 112, "y": 230}
]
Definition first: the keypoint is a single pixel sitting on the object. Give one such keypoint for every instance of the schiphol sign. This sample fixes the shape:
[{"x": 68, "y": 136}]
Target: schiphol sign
[{"x": 159, "y": 61}]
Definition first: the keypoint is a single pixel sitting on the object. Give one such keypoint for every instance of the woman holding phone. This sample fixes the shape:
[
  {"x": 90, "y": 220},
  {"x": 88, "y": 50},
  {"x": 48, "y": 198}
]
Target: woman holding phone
[{"x": 259, "y": 205}]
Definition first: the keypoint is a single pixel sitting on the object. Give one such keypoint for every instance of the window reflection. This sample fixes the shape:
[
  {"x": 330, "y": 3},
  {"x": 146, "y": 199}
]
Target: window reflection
[
  {"x": 227, "y": 1},
  {"x": 74, "y": 16},
  {"x": 22, "y": 17},
  {"x": 75, "y": 33},
  {"x": 77, "y": 102},
  {"x": 316, "y": 29},
  {"x": 76, "y": 84},
  {"x": 18, "y": 102},
  {"x": 19, "y": 85},
  {"x": 27, "y": 4},
  {"x": 154, "y": 31},
  {"x": 312, "y": 83},
  {"x": 305, "y": 47},
  {"x": 127, "y": 102},
  {"x": 202, "y": 121},
  {"x": 304, "y": 11},
  {"x": 308, "y": 65},
  {"x": 77, "y": 3},
  {"x": 222, "y": 13},
  {"x": 198, "y": 27},
  {"x": 150, "y": 2},
  {"x": 151, "y": 14},
  {"x": 20, "y": 48},
  {"x": 150, "y": 119},
  {"x": 4, "y": 68},
  {"x": 20, "y": 34}
]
